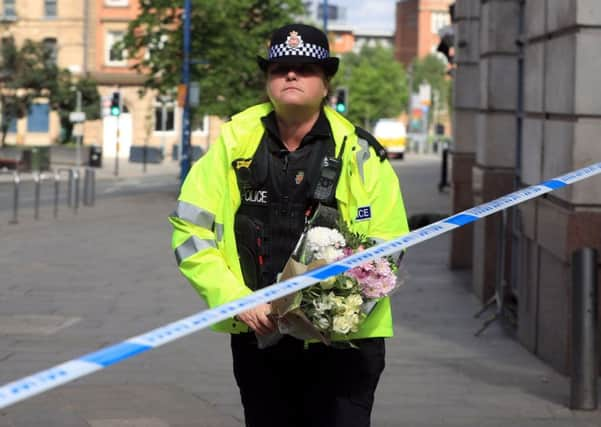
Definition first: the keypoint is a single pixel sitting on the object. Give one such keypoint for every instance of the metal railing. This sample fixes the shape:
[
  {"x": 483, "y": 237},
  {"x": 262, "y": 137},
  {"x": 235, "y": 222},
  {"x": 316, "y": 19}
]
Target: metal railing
[{"x": 72, "y": 176}]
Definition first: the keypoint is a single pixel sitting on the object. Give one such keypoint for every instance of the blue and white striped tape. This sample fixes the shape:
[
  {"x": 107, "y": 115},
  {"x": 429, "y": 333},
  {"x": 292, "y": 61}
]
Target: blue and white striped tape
[{"x": 45, "y": 380}]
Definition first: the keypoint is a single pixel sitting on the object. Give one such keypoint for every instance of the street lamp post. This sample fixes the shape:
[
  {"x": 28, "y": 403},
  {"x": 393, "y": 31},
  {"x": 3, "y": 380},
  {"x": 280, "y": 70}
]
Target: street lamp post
[
  {"x": 79, "y": 135},
  {"x": 325, "y": 16},
  {"x": 185, "y": 158}
]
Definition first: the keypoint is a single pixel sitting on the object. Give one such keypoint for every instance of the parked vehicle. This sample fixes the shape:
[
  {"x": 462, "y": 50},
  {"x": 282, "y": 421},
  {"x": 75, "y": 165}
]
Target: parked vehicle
[{"x": 392, "y": 135}]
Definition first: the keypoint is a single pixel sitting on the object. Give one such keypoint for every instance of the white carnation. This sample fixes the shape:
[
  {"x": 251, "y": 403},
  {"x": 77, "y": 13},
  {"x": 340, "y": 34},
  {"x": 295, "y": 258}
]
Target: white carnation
[{"x": 325, "y": 243}]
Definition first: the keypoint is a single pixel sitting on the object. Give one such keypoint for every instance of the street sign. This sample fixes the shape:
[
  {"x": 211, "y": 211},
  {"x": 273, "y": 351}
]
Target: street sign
[
  {"x": 78, "y": 129},
  {"x": 77, "y": 116},
  {"x": 194, "y": 94}
]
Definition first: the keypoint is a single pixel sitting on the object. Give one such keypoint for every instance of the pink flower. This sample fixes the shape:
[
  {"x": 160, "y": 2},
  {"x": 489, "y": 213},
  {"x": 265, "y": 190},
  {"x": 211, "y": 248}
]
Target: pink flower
[{"x": 375, "y": 278}]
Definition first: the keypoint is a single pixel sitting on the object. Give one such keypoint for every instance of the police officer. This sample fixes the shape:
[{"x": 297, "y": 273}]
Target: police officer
[{"x": 241, "y": 211}]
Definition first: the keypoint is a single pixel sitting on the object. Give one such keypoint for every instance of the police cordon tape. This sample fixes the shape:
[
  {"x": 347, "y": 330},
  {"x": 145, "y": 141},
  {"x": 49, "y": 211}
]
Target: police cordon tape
[{"x": 61, "y": 374}]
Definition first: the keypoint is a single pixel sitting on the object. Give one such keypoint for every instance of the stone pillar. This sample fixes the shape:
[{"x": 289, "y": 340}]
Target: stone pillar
[
  {"x": 562, "y": 124},
  {"x": 494, "y": 169},
  {"x": 466, "y": 102}
]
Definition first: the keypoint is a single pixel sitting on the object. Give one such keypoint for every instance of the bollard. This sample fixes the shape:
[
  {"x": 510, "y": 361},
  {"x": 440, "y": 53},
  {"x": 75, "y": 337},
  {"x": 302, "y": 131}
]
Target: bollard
[
  {"x": 585, "y": 345},
  {"x": 443, "y": 169},
  {"x": 86, "y": 190},
  {"x": 69, "y": 187},
  {"x": 16, "y": 181},
  {"x": 36, "y": 200},
  {"x": 88, "y": 187},
  {"x": 57, "y": 181},
  {"x": 75, "y": 174},
  {"x": 93, "y": 187}
]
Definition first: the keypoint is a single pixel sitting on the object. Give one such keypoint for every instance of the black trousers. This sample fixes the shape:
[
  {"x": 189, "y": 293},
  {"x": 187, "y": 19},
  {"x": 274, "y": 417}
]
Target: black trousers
[{"x": 319, "y": 386}]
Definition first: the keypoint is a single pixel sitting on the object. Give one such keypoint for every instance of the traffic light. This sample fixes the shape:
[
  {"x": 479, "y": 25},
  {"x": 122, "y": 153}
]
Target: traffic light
[
  {"x": 116, "y": 104},
  {"x": 342, "y": 100}
]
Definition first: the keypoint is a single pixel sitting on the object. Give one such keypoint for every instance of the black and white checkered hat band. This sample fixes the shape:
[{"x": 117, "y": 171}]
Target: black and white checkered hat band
[{"x": 307, "y": 49}]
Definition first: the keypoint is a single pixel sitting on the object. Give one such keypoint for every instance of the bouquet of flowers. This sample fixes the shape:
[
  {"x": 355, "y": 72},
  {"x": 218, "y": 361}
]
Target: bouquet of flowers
[{"x": 338, "y": 305}]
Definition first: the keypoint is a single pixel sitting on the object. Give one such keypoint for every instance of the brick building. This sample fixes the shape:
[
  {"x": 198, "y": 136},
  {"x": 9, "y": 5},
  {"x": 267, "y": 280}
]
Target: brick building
[
  {"x": 417, "y": 26},
  {"x": 84, "y": 33},
  {"x": 145, "y": 121},
  {"x": 344, "y": 39}
]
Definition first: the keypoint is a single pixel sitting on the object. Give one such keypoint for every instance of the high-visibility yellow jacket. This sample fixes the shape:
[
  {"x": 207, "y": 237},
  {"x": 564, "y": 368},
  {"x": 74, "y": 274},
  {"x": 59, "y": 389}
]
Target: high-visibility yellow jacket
[{"x": 368, "y": 195}]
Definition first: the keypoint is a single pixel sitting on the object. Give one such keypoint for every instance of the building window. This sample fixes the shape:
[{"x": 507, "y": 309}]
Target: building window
[
  {"x": 200, "y": 124},
  {"x": 12, "y": 126},
  {"x": 50, "y": 8},
  {"x": 440, "y": 20},
  {"x": 116, "y": 3},
  {"x": 164, "y": 116},
  {"x": 114, "y": 55},
  {"x": 9, "y": 9},
  {"x": 51, "y": 49},
  {"x": 38, "y": 118}
]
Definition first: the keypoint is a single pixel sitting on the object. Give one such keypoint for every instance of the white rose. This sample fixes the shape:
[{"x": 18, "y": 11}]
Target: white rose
[
  {"x": 342, "y": 324},
  {"x": 354, "y": 319},
  {"x": 354, "y": 300}
]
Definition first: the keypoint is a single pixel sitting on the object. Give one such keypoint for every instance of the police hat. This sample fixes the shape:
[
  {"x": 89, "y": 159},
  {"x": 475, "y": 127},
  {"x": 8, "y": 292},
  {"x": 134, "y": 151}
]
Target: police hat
[{"x": 299, "y": 44}]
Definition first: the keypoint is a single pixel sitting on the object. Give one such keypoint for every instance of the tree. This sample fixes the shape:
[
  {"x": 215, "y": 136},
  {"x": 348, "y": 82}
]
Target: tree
[
  {"x": 29, "y": 72},
  {"x": 25, "y": 73},
  {"x": 227, "y": 35},
  {"x": 63, "y": 99},
  {"x": 432, "y": 70},
  {"x": 376, "y": 82}
]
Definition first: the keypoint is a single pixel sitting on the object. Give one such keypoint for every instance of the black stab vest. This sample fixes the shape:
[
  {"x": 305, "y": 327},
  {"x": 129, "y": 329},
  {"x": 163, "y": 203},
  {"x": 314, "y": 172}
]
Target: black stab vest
[{"x": 275, "y": 194}]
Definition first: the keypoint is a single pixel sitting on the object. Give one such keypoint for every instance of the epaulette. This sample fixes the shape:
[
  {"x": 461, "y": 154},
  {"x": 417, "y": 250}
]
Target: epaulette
[{"x": 372, "y": 142}]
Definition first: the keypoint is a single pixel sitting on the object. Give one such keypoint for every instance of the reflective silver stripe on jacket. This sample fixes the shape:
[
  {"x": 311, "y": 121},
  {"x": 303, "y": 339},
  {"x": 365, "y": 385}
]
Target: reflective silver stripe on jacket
[
  {"x": 194, "y": 214},
  {"x": 362, "y": 156},
  {"x": 218, "y": 231},
  {"x": 191, "y": 246}
]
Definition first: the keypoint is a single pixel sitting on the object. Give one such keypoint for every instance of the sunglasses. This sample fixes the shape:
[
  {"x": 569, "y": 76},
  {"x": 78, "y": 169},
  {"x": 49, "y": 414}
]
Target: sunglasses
[{"x": 300, "y": 69}]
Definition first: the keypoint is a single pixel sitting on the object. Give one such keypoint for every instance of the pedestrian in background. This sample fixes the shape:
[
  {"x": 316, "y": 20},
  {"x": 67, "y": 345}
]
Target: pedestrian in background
[{"x": 241, "y": 211}]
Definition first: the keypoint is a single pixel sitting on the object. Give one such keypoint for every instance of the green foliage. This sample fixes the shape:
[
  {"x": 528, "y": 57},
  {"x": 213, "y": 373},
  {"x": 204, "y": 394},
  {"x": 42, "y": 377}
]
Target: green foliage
[
  {"x": 227, "y": 36},
  {"x": 30, "y": 71},
  {"x": 377, "y": 85},
  {"x": 63, "y": 99},
  {"x": 432, "y": 70},
  {"x": 18, "y": 71},
  {"x": 353, "y": 239}
]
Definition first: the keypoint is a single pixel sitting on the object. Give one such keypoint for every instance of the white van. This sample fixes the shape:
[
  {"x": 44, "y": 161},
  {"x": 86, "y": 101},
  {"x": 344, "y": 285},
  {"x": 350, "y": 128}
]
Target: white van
[{"x": 392, "y": 135}]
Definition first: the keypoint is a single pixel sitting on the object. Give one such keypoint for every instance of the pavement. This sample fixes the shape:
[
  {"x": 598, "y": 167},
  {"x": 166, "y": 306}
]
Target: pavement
[
  {"x": 110, "y": 170},
  {"x": 81, "y": 282}
]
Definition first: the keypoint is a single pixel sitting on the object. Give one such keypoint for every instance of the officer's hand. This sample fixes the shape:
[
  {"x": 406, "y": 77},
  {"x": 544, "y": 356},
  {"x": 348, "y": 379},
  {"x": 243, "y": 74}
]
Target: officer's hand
[{"x": 258, "y": 319}]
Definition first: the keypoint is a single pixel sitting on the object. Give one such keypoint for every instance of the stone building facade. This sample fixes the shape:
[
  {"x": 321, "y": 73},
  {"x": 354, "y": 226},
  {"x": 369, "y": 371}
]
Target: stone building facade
[{"x": 527, "y": 109}]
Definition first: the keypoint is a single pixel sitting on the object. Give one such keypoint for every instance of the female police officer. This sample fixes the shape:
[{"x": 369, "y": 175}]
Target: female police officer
[{"x": 241, "y": 211}]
